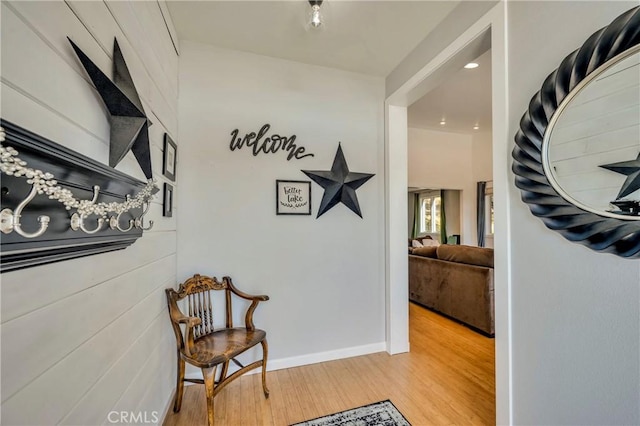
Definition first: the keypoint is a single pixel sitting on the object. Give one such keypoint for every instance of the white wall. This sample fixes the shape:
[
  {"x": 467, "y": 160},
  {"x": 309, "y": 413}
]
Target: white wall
[
  {"x": 445, "y": 160},
  {"x": 575, "y": 313},
  {"x": 482, "y": 155},
  {"x": 325, "y": 276},
  {"x": 83, "y": 337}
]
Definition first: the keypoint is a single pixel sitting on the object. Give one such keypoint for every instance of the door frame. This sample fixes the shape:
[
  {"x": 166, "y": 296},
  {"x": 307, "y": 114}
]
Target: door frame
[{"x": 396, "y": 262}]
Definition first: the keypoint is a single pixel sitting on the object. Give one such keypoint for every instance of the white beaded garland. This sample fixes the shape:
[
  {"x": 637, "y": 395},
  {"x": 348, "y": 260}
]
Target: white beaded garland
[{"x": 12, "y": 165}]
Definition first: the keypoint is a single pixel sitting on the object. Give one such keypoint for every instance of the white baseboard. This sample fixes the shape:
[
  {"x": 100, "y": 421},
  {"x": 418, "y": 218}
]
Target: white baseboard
[{"x": 314, "y": 358}]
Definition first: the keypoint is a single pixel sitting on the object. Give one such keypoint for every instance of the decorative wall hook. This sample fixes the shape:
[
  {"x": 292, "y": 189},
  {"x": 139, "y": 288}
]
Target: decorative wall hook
[
  {"x": 77, "y": 219},
  {"x": 114, "y": 221},
  {"x": 10, "y": 220},
  {"x": 140, "y": 220}
]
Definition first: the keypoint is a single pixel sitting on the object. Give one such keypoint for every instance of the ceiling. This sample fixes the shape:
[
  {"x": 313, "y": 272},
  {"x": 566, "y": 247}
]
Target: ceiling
[
  {"x": 463, "y": 100},
  {"x": 369, "y": 37}
]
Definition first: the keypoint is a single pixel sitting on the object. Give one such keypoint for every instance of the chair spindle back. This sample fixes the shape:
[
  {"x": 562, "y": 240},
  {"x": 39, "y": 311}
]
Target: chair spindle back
[{"x": 197, "y": 290}]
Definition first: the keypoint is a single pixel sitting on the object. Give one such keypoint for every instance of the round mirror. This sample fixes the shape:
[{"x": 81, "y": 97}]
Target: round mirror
[
  {"x": 576, "y": 159},
  {"x": 591, "y": 148}
]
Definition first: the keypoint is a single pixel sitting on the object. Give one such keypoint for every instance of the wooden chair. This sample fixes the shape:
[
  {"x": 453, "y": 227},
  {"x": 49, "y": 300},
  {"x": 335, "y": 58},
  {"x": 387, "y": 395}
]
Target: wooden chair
[{"x": 206, "y": 347}]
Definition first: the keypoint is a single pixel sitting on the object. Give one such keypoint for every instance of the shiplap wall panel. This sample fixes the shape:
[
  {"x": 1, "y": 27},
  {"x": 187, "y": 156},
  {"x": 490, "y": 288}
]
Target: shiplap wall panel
[
  {"x": 169, "y": 23},
  {"x": 601, "y": 125},
  {"x": 89, "y": 362},
  {"x": 106, "y": 392},
  {"x": 47, "y": 77},
  {"x": 150, "y": 16},
  {"x": 84, "y": 314},
  {"x": 77, "y": 335},
  {"x": 626, "y": 137},
  {"x": 50, "y": 283},
  {"x": 149, "y": 89},
  {"x": 143, "y": 378},
  {"x": 29, "y": 113},
  {"x": 140, "y": 38}
]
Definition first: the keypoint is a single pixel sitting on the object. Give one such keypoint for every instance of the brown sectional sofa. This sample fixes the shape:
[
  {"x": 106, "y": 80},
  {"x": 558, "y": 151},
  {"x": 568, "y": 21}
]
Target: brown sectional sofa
[{"x": 456, "y": 281}]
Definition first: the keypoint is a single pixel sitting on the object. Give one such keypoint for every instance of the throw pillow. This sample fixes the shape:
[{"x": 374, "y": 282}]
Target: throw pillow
[
  {"x": 416, "y": 243},
  {"x": 430, "y": 243}
]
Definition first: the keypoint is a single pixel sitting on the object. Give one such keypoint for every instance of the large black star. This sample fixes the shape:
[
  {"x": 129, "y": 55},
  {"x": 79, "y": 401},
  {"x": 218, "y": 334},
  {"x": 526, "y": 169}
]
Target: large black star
[
  {"x": 632, "y": 170},
  {"x": 129, "y": 124},
  {"x": 339, "y": 184}
]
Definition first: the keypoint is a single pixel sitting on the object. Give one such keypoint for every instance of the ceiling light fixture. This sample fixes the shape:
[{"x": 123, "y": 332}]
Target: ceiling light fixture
[
  {"x": 316, "y": 16},
  {"x": 476, "y": 127},
  {"x": 471, "y": 65},
  {"x": 443, "y": 122}
]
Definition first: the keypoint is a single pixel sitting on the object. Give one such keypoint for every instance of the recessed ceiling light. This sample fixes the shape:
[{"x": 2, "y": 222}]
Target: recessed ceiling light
[
  {"x": 442, "y": 122},
  {"x": 471, "y": 65},
  {"x": 476, "y": 127}
]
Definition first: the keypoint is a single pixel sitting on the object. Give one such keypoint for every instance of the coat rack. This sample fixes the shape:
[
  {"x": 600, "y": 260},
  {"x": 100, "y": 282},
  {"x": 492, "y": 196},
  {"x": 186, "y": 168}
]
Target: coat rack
[{"x": 56, "y": 202}]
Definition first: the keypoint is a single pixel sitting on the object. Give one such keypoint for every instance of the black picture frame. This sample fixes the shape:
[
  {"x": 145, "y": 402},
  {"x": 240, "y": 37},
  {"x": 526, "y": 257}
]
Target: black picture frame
[
  {"x": 293, "y": 197},
  {"x": 597, "y": 232},
  {"x": 169, "y": 156},
  {"x": 167, "y": 202}
]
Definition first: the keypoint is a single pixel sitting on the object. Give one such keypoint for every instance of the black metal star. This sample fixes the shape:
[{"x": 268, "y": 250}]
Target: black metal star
[
  {"x": 129, "y": 124},
  {"x": 632, "y": 170},
  {"x": 339, "y": 184}
]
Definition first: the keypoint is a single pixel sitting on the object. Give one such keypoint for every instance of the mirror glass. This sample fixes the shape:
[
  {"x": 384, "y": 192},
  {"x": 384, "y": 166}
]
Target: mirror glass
[{"x": 591, "y": 149}]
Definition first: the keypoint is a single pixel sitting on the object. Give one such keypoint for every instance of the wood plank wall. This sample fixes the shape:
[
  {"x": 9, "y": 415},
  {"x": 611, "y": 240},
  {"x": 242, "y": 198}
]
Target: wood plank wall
[
  {"x": 88, "y": 336},
  {"x": 600, "y": 126}
]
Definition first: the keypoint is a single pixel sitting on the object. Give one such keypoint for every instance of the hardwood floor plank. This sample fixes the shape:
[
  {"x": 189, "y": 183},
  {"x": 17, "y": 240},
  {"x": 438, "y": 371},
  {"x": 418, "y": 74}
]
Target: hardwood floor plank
[{"x": 447, "y": 379}]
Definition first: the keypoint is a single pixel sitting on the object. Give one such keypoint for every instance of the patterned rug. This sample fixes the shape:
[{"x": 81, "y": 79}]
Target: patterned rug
[{"x": 382, "y": 413}]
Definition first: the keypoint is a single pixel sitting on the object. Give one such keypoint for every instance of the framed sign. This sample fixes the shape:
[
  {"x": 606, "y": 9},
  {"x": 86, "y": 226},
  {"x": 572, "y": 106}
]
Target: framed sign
[
  {"x": 293, "y": 197},
  {"x": 169, "y": 158},
  {"x": 167, "y": 209}
]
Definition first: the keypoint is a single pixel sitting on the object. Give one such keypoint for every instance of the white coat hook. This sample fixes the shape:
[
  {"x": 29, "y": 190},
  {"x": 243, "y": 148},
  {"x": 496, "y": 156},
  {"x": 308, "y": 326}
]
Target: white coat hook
[
  {"x": 77, "y": 220},
  {"x": 140, "y": 220},
  {"x": 10, "y": 220},
  {"x": 114, "y": 221}
]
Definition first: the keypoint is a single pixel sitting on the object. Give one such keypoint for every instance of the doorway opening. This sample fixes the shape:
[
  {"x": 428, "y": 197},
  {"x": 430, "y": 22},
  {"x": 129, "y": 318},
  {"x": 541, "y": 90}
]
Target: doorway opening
[{"x": 488, "y": 32}]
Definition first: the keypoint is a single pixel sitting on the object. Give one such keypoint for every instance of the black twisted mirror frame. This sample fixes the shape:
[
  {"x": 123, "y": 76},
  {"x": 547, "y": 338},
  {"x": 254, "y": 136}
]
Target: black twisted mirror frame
[{"x": 605, "y": 234}]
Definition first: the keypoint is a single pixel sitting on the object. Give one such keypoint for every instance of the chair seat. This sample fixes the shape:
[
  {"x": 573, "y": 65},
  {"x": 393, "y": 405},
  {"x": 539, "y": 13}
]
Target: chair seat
[{"x": 222, "y": 345}]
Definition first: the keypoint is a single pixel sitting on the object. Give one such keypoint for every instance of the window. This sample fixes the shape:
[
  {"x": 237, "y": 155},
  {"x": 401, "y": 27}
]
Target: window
[
  {"x": 430, "y": 213},
  {"x": 488, "y": 205}
]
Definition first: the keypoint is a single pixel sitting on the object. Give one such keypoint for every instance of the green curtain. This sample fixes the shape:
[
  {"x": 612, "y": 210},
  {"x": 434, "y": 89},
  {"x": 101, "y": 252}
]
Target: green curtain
[
  {"x": 481, "y": 212},
  {"x": 416, "y": 215},
  {"x": 443, "y": 219}
]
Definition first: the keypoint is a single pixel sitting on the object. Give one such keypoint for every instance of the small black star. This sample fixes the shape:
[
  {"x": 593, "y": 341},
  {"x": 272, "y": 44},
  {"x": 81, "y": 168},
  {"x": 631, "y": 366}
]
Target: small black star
[
  {"x": 339, "y": 184},
  {"x": 129, "y": 124},
  {"x": 632, "y": 170}
]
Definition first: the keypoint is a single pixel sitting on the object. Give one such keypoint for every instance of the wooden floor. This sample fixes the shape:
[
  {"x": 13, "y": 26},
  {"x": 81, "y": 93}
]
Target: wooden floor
[{"x": 447, "y": 379}]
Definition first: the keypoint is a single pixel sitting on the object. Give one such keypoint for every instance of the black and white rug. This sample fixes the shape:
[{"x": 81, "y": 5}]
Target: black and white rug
[{"x": 382, "y": 413}]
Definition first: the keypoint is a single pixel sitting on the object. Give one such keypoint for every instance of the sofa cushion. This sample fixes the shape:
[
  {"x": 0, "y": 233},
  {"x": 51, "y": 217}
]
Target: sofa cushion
[
  {"x": 466, "y": 254},
  {"x": 426, "y": 251}
]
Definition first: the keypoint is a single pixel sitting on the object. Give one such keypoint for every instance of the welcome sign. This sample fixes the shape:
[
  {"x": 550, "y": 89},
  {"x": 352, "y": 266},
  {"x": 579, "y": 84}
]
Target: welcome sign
[{"x": 261, "y": 143}]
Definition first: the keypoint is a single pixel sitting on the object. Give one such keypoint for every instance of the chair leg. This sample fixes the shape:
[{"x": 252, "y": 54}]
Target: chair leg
[
  {"x": 223, "y": 372},
  {"x": 209, "y": 375},
  {"x": 177, "y": 403},
  {"x": 265, "y": 353}
]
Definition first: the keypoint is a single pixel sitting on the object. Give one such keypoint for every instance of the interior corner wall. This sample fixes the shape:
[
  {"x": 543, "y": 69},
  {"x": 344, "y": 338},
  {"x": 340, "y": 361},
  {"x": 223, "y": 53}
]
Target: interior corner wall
[
  {"x": 443, "y": 160},
  {"x": 575, "y": 313},
  {"x": 88, "y": 337},
  {"x": 324, "y": 276}
]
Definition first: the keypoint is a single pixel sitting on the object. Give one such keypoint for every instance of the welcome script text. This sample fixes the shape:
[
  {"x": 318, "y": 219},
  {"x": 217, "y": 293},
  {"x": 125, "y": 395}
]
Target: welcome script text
[{"x": 269, "y": 145}]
